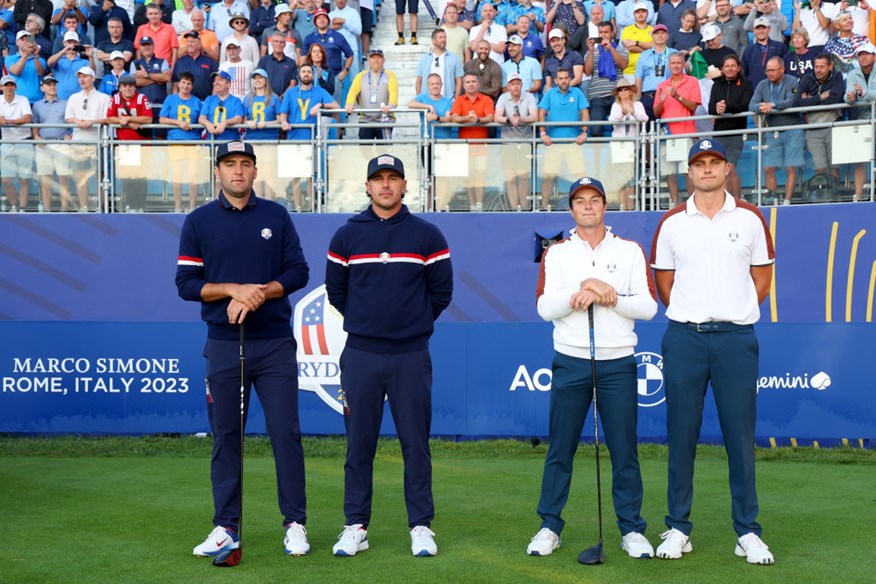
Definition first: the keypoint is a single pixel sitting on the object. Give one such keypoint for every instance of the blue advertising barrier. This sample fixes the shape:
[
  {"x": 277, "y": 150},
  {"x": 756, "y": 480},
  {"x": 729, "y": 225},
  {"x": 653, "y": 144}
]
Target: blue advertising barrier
[{"x": 94, "y": 339}]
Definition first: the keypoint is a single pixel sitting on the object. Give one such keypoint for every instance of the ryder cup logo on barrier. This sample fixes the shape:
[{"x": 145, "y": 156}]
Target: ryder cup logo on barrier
[
  {"x": 319, "y": 332},
  {"x": 650, "y": 388}
]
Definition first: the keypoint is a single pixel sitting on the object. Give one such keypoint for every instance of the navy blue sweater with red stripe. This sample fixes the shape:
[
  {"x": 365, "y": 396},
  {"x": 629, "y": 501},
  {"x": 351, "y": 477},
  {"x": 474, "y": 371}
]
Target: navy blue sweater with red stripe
[
  {"x": 390, "y": 278},
  {"x": 255, "y": 245}
]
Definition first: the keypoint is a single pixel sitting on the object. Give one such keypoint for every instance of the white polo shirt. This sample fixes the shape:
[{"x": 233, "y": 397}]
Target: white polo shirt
[
  {"x": 17, "y": 109},
  {"x": 616, "y": 261},
  {"x": 90, "y": 106},
  {"x": 712, "y": 260}
]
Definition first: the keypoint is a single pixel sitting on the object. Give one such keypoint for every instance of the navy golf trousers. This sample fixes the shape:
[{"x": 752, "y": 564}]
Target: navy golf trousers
[
  {"x": 727, "y": 357},
  {"x": 406, "y": 380},
  {"x": 270, "y": 366},
  {"x": 571, "y": 394}
]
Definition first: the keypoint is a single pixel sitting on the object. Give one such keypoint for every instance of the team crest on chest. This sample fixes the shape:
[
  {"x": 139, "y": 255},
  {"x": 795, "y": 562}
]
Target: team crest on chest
[
  {"x": 733, "y": 236},
  {"x": 384, "y": 257},
  {"x": 266, "y": 233},
  {"x": 611, "y": 268}
]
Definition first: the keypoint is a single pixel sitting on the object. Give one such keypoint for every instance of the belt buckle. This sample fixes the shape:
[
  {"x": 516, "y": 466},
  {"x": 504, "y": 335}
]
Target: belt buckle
[{"x": 702, "y": 327}]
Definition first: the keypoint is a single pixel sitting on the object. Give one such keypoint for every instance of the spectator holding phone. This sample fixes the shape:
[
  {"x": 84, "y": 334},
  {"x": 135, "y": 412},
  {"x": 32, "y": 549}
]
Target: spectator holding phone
[{"x": 66, "y": 62}]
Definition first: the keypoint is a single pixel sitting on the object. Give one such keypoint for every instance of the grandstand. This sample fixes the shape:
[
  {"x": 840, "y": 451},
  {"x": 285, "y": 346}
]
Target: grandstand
[{"x": 322, "y": 171}]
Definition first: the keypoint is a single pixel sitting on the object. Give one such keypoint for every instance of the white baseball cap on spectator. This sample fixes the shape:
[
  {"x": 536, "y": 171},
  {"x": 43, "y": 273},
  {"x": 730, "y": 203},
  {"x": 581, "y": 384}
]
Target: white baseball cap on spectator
[
  {"x": 116, "y": 55},
  {"x": 710, "y": 32},
  {"x": 866, "y": 48},
  {"x": 761, "y": 21},
  {"x": 85, "y": 71},
  {"x": 8, "y": 79},
  {"x": 515, "y": 76},
  {"x": 71, "y": 35},
  {"x": 556, "y": 33},
  {"x": 21, "y": 34}
]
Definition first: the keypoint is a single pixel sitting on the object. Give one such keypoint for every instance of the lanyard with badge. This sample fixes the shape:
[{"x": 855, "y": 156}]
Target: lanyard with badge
[{"x": 374, "y": 88}]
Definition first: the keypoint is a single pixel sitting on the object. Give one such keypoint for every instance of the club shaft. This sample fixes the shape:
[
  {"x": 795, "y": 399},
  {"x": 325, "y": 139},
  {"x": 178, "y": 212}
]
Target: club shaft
[
  {"x": 242, "y": 422},
  {"x": 595, "y": 417}
]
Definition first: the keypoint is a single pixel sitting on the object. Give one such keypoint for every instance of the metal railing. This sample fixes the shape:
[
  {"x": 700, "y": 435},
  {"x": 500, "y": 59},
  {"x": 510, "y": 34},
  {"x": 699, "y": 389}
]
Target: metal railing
[{"x": 327, "y": 173}]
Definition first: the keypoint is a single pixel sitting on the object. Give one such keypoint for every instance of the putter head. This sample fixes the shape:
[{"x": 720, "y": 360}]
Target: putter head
[
  {"x": 592, "y": 555},
  {"x": 228, "y": 558}
]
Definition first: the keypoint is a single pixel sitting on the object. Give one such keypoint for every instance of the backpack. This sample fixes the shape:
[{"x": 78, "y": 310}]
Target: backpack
[{"x": 821, "y": 188}]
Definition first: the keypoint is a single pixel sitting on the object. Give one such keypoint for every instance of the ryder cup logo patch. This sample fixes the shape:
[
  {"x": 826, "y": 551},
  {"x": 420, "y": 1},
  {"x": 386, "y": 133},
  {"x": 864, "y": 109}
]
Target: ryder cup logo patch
[
  {"x": 319, "y": 332},
  {"x": 584, "y": 181},
  {"x": 733, "y": 236},
  {"x": 705, "y": 145},
  {"x": 266, "y": 233},
  {"x": 384, "y": 257}
]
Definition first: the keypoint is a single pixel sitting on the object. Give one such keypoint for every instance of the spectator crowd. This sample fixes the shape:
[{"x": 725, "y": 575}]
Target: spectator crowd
[{"x": 273, "y": 66}]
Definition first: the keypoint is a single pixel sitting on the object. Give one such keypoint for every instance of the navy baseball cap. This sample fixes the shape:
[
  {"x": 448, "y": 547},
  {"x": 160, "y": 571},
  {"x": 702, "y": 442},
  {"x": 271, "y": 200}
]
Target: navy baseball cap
[
  {"x": 707, "y": 146},
  {"x": 385, "y": 162},
  {"x": 586, "y": 182},
  {"x": 146, "y": 40},
  {"x": 234, "y": 147}
]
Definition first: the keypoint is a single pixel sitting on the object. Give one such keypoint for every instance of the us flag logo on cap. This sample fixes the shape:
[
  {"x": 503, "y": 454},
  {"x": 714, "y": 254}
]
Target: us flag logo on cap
[
  {"x": 236, "y": 147},
  {"x": 386, "y": 160}
]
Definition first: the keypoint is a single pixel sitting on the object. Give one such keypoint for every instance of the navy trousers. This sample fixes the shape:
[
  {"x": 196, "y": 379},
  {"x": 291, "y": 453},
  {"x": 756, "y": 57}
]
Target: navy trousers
[
  {"x": 691, "y": 360},
  {"x": 270, "y": 366},
  {"x": 571, "y": 394},
  {"x": 406, "y": 380}
]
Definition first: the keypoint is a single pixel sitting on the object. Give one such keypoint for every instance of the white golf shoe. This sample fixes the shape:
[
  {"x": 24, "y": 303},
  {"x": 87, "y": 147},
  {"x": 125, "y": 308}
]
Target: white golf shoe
[
  {"x": 295, "y": 543},
  {"x": 675, "y": 543},
  {"x": 754, "y": 550},
  {"x": 544, "y": 543},
  {"x": 637, "y": 545},
  {"x": 352, "y": 540},
  {"x": 423, "y": 542},
  {"x": 219, "y": 540}
]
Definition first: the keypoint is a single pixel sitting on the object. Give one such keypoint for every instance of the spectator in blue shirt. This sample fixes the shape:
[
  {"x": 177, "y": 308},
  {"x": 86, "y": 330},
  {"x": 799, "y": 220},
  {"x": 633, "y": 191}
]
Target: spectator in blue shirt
[
  {"x": 27, "y": 66},
  {"x": 527, "y": 67},
  {"x": 437, "y": 107},
  {"x": 532, "y": 45},
  {"x": 182, "y": 109},
  {"x": 52, "y": 159},
  {"x": 100, "y": 15},
  {"x": 562, "y": 103},
  {"x": 66, "y": 62},
  {"x": 261, "y": 106},
  {"x": 7, "y": 23},
  {"x": 282, "y": 71},
  {"x": 302, "y": 105},
  {"x": 338, "y": 53},
  {"x": 222, "y": 110},
  {"x": 199, "y": 65}
]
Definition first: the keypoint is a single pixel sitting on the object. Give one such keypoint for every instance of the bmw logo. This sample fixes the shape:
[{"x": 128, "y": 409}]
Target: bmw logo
[{"x": 650, "y": 379}]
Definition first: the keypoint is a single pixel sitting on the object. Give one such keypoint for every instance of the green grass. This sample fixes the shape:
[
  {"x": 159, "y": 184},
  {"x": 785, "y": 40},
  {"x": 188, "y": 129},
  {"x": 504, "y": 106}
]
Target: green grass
[{"x": 130, "y": 510}]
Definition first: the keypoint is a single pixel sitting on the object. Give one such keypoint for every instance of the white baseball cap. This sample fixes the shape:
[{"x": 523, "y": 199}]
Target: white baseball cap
[
  {"x": 513, "y": 77},
  {"x": 556, "y": 33},
  {"x": 116, "y": 55},
  {"x": 866, "y": 48},
  {"x": 71, "y": 35},
  {"x": 85, "y": 71},
  {"x": 710, "y": 32}
]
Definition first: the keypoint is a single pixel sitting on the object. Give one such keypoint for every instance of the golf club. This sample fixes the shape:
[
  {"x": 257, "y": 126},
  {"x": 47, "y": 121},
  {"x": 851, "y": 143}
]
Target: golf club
[
  {"x": 230, "y": 558},
  {"x": 594, "y": 554}
]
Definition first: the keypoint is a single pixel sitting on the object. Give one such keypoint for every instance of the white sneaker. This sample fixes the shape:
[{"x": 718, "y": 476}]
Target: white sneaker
[
  {"x": 754, "y": 550},
  {"x": 786, "y": 202},
  {"x": 295, "y": 542},
  {"x": 544, "y": 543},
  {"x": 423, "y": 542},
  {"x": 637, "y": 545},
  {"x": 352, "y": 540},
  {"x": 219, "y": 540},
  {"x": 675, "y": 543}
]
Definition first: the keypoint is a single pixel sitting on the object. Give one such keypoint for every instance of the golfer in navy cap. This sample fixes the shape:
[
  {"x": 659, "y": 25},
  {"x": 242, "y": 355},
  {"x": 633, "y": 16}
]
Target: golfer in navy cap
[
  {"x": 592, "y": 266},
  {"x": 388, "y": 272},
  {"x": 713, "y": 262},
  {"x": 240, "y": 258}
]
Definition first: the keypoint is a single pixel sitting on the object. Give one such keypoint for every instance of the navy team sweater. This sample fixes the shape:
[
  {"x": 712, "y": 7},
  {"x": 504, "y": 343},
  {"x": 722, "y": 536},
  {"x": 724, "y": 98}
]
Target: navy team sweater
[
  {"x": 255, "y": 245},
  {"x": 390, "y": 278}
]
